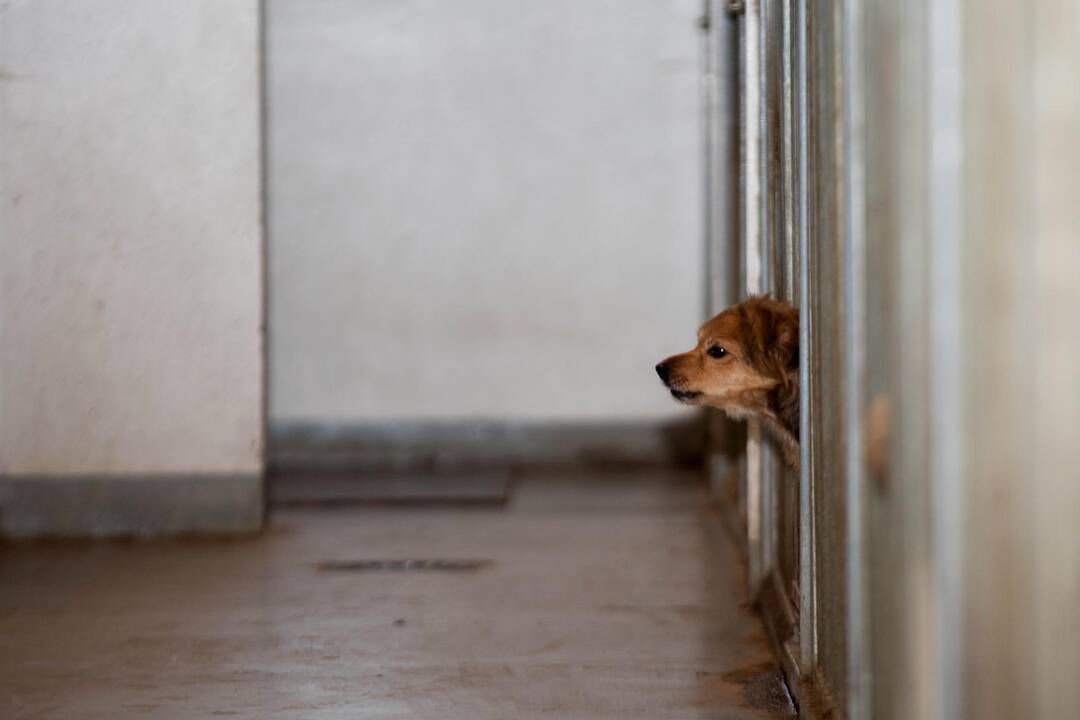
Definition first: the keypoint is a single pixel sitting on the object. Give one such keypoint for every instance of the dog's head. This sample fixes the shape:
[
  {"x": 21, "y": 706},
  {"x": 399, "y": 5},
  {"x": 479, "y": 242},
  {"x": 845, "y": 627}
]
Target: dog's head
[{"x": 742, "y": 353}]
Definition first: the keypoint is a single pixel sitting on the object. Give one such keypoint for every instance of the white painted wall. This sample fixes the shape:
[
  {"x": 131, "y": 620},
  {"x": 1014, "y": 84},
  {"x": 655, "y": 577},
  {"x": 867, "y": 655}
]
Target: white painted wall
[
  {"x": 481, "y": 208},
  {"x": 129, "y": 237}
]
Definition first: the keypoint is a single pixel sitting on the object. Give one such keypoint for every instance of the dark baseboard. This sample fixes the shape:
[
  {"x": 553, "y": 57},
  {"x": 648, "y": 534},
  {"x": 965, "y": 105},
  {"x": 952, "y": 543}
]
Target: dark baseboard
[
  {"x": 780, "y": 622},
  {"x": 118, "y": 506},
  {"x": 468, "y": 488},
  {"x": 453, "y": 446}
]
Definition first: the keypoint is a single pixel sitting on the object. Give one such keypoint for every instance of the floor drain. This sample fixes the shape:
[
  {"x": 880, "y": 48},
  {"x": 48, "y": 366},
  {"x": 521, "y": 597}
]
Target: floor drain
[{"x": 404, "y": 565}]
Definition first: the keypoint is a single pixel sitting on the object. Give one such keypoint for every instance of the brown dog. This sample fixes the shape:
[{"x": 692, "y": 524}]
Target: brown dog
[{"x": 746, "y": 363}]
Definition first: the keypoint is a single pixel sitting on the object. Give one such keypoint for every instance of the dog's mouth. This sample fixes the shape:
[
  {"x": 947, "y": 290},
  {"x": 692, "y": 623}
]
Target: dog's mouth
[{"x": 685, "y": 396}]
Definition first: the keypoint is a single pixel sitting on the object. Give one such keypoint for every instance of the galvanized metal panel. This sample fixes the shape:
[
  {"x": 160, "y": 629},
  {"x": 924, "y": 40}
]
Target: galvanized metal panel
[
  {"x": 1001, "y": 679},
  {"x": 898, "y": 542},
  {"x": 1056, "y": 544},
  {"x": 1021, "y": 336},
  {"x": 917, "y": 159},
  {"x": 914, "y": 351}
]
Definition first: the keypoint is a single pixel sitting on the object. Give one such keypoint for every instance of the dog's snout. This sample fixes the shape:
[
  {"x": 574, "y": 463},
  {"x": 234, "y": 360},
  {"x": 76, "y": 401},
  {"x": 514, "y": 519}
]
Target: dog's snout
[{"x": 664, "y": 371}]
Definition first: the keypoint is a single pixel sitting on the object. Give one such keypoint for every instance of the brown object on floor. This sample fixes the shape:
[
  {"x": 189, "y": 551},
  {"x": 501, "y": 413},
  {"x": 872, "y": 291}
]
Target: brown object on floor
[{"x": 606, "y": 596}]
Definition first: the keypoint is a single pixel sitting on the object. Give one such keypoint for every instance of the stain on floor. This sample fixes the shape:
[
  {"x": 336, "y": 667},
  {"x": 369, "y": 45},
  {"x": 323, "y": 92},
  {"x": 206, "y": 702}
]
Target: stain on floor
[{"x": 601, "y": 596}]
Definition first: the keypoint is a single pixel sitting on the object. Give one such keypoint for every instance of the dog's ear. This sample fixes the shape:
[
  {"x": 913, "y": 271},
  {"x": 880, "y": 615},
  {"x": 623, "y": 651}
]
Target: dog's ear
[
  {"x": 783, "y": 347},
  {"x": 776, "y": 330}
]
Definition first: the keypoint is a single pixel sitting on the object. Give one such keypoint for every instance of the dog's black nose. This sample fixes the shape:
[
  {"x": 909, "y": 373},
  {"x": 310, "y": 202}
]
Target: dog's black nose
[{"x": 663, "y": 371}]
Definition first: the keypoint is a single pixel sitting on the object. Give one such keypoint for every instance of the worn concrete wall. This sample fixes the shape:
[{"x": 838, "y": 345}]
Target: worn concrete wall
[
  {"x": 130, "y": 289},
  {"x": 481, "y": 209}
]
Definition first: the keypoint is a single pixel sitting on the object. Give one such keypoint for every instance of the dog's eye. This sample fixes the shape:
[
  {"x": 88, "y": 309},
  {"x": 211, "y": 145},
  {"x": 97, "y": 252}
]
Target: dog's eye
[{"x": 717, "y": 352}]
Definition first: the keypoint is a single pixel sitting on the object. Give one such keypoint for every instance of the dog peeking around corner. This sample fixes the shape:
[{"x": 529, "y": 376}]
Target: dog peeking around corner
[{"x": 746, "y": 363}]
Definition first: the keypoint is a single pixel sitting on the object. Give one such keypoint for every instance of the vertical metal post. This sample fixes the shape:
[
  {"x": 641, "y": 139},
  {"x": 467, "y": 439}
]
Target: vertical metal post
[
  {"x": 807, "y": 574},
  {"x": 753, "y": 276},
  {"x": 791, "y": 286},
  {"x": 854, "y": 205},
  {"x": 766, "y": 243},
  {"x": 946, "y": 338},
  {"x": 709, "y": 139},
  {"x": 719, "y": 109}
]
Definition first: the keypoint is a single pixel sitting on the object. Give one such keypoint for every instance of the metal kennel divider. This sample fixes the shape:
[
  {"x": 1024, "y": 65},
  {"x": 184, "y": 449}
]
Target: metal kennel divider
[
  {"x": 796, "y": 233},
  {"x": 905, "y": 174}
]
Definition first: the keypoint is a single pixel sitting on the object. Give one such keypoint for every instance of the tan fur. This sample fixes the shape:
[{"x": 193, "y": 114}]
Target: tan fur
[{"x": 758, "y": 376}]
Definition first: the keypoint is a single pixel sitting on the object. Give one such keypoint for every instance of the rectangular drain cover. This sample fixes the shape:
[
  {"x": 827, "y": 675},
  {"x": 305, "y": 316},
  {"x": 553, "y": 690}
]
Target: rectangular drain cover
[{"x": 404, "y": 565}]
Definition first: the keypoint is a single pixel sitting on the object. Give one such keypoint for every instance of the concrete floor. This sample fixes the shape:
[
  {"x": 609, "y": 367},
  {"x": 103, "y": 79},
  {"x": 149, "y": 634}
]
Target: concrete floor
[{"x": 611, "y": 596}]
